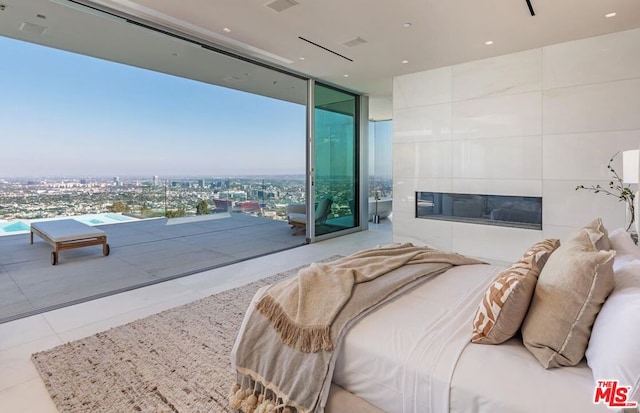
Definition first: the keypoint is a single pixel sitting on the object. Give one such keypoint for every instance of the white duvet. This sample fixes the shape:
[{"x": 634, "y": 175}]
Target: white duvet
[{"x": 413, "y": 355}]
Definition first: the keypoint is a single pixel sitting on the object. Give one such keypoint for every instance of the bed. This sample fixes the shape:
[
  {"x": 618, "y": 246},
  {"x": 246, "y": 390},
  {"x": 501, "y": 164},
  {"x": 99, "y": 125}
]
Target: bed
[
  {"x": 406, "y": 367},
  {"x": 413, "y": 352}
]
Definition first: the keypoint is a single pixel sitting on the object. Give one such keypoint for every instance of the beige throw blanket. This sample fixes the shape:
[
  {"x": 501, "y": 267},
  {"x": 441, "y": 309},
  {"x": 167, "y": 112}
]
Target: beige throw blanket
[
  {"x": 303, "y": 308},
  {"x": 285, "y": 349}
]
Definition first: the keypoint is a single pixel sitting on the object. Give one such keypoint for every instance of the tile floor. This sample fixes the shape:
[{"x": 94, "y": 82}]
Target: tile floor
[{"x": 22, "y": 391}]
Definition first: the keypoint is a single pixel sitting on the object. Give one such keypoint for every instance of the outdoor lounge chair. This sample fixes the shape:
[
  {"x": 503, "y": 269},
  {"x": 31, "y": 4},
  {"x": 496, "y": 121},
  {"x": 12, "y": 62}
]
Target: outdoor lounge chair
[
  {"x": 67, "y": 234},
  {"x": 297, "y": 216}
]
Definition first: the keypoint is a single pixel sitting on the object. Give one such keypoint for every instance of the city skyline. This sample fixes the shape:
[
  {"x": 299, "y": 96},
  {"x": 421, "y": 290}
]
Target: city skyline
[{"x": 71, "y": 115}]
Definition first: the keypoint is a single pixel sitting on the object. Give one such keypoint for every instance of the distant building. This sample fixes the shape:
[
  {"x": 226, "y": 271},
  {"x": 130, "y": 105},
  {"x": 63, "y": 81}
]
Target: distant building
[
  {"x": 250, "y": 206},
  {"x": 156, "y": 181},
  {"x": 223, "y": 204}
]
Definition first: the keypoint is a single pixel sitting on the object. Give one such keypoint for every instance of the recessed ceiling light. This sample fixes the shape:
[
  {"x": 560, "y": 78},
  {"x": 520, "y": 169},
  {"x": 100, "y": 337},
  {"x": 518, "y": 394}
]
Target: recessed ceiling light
[
  {"x": 489, "y": 42},
  {"x": 609, "y": 15},
  {"x": 407, "y": 24},
  {"x": 346, "y": 75},
  {"x": 226, "y": 30},
  {"x": 301, "y": 58},
  {"x": 405, "y": 61}
]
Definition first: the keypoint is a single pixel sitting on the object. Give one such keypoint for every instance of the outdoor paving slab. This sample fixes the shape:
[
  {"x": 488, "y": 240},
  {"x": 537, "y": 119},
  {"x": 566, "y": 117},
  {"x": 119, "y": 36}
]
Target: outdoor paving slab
[
  {"x": 190, "y": 263},
  {"x": 141, "y": 252},
  {"x": 132, "y": 238},
  {"x": 78, "y": 282},
  {"x": 18, "y": 249},
  {"x": 12, "y": 301}
]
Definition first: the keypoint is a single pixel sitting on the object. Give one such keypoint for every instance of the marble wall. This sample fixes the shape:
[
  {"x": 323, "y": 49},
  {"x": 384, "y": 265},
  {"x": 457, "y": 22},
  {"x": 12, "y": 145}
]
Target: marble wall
[{"x": 536, "y": 123}]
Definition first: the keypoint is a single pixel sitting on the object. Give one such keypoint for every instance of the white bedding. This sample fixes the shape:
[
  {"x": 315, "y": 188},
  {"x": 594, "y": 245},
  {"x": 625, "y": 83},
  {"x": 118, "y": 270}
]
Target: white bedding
[
  {"x": 515, "y": 382},
  {"x": 406, "y": 355}
]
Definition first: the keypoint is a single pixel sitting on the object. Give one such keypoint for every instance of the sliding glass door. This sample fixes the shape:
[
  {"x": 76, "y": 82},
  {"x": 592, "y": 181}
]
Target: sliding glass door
[{"x": 335, "y": 182}]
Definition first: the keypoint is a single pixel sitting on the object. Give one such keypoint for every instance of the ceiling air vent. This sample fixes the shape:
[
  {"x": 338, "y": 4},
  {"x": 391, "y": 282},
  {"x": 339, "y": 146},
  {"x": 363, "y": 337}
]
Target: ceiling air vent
[
  {"x": 32, "y": 28},
  {"x": 232, "y": 78},
  {"x": 236, "y": 78},
  {"x": 355, "y": 42},
  {"x": 281, "y": 5}
]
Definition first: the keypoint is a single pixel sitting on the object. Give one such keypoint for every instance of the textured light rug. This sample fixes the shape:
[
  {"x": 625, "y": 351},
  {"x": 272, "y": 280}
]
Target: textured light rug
[{"x": 174, "y": 361}]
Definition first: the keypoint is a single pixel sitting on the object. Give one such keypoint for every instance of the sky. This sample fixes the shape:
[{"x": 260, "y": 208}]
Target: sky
[{"x": 64, "y": 114}]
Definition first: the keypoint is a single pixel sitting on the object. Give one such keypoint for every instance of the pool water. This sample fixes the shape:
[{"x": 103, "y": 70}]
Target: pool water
[
  {"x": 14, "y": 226},
  {"x": 21, "y": 227}
]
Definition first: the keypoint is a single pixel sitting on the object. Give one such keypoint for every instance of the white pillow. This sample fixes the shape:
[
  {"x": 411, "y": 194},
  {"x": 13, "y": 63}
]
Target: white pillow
[
  {"x": 626, "y": 249},
  {"x": 613, "y": 352}
]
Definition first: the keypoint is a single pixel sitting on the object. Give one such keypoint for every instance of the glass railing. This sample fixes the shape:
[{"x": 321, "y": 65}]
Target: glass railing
[{"x": 99, "y": 201}]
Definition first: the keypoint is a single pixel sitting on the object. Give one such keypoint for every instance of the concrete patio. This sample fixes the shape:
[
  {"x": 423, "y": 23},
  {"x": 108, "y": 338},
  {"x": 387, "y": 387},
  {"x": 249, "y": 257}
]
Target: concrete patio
[{"x": 142, "y": 253}]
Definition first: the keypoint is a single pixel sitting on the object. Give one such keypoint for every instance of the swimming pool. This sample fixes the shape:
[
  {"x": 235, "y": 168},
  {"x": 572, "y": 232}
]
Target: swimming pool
[
  {"x": 23, "y": 226},
  {"x": 11, "y": 227}
]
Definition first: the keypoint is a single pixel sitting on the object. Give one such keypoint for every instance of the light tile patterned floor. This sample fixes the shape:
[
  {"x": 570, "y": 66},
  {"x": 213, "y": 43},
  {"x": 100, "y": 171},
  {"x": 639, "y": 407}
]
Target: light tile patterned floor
[{"x": 22, "y": 391}]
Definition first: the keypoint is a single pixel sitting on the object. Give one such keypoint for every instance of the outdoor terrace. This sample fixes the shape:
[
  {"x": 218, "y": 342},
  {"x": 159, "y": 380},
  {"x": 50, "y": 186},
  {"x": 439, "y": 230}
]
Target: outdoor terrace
[{"x": 143, "y": 253}]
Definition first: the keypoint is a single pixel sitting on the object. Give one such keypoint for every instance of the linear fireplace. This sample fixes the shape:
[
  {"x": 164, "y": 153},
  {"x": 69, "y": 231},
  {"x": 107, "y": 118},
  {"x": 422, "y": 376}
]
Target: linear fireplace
[{"x": 509, "y": 211}]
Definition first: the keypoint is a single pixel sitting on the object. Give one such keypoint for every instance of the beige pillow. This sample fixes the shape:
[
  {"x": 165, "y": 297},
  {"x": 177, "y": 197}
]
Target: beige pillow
[
  {"x": 599, "y": 234},
  {"x": 505, "y": 303},
  {"x": 571, "y": 289}
]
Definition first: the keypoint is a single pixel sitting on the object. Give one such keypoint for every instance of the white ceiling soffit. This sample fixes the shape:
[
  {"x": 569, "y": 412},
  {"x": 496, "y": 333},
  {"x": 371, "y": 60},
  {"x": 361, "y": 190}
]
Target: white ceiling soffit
[
  {"x": 166, "y": 20},
  {"x": 437, "y": 33},
  {"x": 426, "y": 34}
]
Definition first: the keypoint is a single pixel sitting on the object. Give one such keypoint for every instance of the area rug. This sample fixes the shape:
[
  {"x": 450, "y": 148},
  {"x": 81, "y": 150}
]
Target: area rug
[{"x": 173, "y": 361}]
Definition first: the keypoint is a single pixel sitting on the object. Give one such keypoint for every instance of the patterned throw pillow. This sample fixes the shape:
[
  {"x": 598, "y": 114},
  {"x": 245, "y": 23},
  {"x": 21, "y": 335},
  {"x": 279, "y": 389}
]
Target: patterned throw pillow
[
  {"x": 506, "y": 301},
  {"x": 542, "y": 250}
]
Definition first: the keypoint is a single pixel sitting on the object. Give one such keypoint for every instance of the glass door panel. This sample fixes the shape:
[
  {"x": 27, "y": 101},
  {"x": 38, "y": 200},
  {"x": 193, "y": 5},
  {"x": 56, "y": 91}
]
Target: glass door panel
[{"x": 335, "y": 183}]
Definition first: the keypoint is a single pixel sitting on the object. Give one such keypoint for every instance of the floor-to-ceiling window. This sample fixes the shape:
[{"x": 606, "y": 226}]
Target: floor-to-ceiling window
[
  {"x": 380, "y": 168},
  {"x": 160, "y": 124},
  {"x": 336, "y": 180},
  {"x": 192, "y": 154}
]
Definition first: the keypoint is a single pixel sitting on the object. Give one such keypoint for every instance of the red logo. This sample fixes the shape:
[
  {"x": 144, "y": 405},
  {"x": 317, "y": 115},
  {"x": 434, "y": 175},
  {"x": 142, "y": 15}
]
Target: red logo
[{"x": 612, "y": 394}]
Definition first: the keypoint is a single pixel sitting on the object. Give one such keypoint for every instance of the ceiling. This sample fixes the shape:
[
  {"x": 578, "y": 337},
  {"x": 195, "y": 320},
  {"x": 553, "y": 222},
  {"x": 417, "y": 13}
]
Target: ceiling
[{"x": 439, "y": 33}]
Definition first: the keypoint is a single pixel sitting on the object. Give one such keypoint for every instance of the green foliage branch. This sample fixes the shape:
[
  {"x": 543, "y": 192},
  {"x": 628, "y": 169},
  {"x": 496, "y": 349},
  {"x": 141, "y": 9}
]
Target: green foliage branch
[{"x": 617, "y": 189}]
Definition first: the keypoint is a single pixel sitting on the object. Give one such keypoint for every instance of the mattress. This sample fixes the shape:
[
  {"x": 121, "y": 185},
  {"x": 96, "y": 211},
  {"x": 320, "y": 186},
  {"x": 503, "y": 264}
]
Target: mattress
[{"x": 405, "y": 356}]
